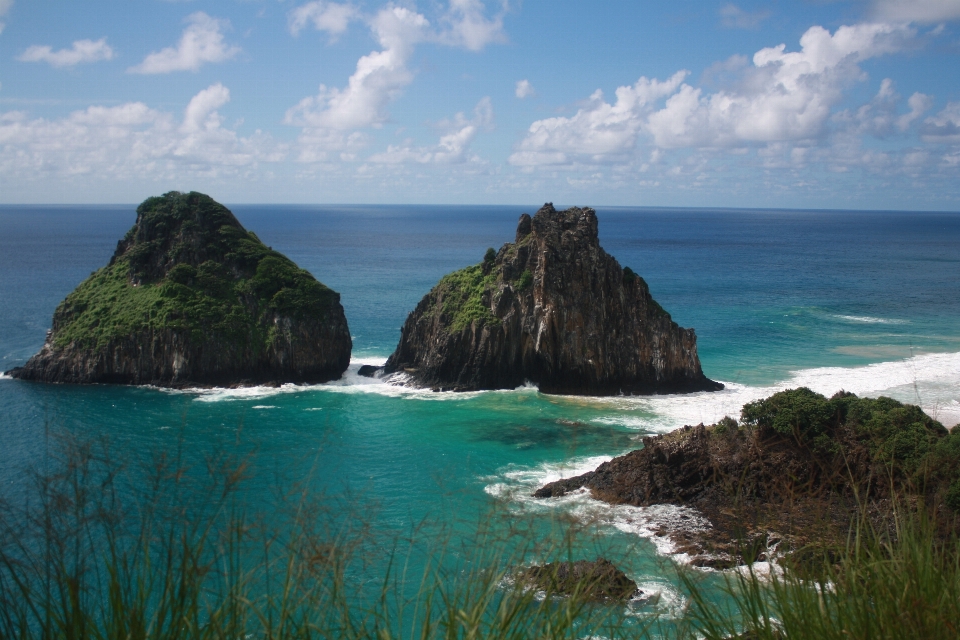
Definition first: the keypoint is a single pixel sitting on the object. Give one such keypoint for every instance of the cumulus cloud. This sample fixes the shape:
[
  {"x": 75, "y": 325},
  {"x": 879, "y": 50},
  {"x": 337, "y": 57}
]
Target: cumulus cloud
[
  {"x": 524, "y": 89},
  {"x": 943, "y": 127},
  {"x": 131, "y": 140},
  {"x": 4, "y": 7},
  {"x": 468, "y": 27},
  {"x": 452, "y": 146},
  {"x": 780, "y": 102},
  {"x": 202, "y": 41},
  {"x": 82, "y": 51},
  {"x": 734, "y": 17},
  {"x": 598, "y": 129},
  {"x": 324, "y": 16},
  {"x": 878, "y": 117},
  {"x": 881, "y": 116},
  {"x": 783, "y": 96},
  {"x": 379, "y": 77},
  {"x": 924, "y": 11},
  {"x": 919, "y": 104}
]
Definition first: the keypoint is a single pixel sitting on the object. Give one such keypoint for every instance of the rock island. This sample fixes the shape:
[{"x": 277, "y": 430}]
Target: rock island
[
  {"x": 190, "y": 297},
  {"x": 551, "y": 308}
]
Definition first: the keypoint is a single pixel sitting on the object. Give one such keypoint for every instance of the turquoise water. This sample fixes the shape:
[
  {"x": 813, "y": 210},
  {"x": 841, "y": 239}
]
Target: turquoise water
[{"x": 864, "y": 301}]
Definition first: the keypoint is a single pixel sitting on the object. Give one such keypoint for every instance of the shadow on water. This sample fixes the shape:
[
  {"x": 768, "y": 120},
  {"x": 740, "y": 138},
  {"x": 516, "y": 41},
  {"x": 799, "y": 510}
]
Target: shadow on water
[{"x": 555, "y": 433}]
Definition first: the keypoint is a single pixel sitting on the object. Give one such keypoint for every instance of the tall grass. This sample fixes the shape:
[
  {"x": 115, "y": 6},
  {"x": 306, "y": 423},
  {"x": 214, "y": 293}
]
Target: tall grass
[
  {"x": 103, "y": 550},
  {"x": 882, "y": 584}
]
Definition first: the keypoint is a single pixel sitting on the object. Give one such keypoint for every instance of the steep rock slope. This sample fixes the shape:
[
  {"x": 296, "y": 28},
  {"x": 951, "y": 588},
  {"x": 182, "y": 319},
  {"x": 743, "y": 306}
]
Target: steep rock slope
[
  {"x": 191, "y": 297},
  {"x": 552, "y": 308}
]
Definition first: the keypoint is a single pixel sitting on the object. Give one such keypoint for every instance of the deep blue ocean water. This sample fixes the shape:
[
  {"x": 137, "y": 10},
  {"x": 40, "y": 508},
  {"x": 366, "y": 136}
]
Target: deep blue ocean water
[{"x": 863, "y": 301}]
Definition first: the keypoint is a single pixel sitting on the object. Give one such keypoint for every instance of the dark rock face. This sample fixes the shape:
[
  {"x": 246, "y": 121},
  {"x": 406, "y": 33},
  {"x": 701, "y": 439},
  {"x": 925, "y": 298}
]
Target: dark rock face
[
  {"x": 552, "y": 308},
  {"x": 191, "y": 297},
  {"x": 599, "y": 580},
  {"x": 674, "y": 468}
]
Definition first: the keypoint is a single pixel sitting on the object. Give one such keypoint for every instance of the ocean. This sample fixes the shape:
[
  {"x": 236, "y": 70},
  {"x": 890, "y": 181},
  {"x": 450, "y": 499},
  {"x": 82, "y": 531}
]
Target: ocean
[{"x": 864, "y": 301}]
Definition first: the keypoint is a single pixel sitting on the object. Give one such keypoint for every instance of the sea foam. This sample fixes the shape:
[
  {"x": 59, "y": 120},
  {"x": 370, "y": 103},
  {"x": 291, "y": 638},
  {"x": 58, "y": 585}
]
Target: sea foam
[
  {"x": 871, "y": 320},
  {"x": 931, "y": 380},
  {"x": 515, "y": 486}
]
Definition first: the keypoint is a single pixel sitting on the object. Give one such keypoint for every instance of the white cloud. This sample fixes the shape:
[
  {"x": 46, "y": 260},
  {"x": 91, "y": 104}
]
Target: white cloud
[
  {"x": 927, "y": 11},
  {"x": 131, "y": 141},
  {"x": 201, "y": 113},
  {"x": 468, "y": 27},
  {"x": 331, "y": 120},
  {"x": 943, "y": 127},
  {"x": 82, "y": 51},
  {"x": 379, "y": 77},
  {"x": 202, "y": 41},
  {"x": 778, "y": 108},
  {"x": 919, "y": 104},
  {"x": 783, "y": 96},
  {"x": 4, "y": 7},
  {"x": 324, "y": 145},
  {"x": 525, "y": 89},
  {"x": 324, "y": 16},
  {"x": 598, "y": 129},
  {"x": 452, "y": 146},
  {"x": 734, "y": 17},
  {"x": 878, "y": 117}
]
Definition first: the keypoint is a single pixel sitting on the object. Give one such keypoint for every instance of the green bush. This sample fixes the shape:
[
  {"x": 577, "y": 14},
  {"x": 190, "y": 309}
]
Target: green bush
[
  {"x": 462, "y": 295},
  {"x": 525, "y": 281}
]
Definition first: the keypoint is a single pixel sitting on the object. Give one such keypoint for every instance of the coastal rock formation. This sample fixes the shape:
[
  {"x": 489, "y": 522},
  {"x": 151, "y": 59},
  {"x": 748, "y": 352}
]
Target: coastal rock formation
[
  {"x": 796, "y": 468},
  {"x": 599, "y": 580},
  {"x": 191, "y": 297},
  {"x": 552, "y": 308}
]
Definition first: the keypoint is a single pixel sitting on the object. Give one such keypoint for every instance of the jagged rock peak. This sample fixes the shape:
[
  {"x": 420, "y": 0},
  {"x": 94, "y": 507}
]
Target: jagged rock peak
[
  {"x": 552, "y": 308},
  {"x": 191, "y": 297}
]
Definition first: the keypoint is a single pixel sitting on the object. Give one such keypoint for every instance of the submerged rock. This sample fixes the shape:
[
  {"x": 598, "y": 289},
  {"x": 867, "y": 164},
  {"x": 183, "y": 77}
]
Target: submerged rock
[
  {"x": 599, "y": 580},
  {"x": 369, "y": 370},
  {"x": 191, "y": 297},
  {"x": 552, "y": 308}
]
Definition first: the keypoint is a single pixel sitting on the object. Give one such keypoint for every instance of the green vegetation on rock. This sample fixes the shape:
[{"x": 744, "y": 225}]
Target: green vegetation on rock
[
  {"x": 525, "y": 281},
  {"x": 462, "y": 294},
  {"x": 189, "y": 266},
  {"x": 900, "y": 442}
]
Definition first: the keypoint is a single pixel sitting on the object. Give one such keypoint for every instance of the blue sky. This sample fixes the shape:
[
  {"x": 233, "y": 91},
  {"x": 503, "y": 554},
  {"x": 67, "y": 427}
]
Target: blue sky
[{"x": 817, "y": 104}]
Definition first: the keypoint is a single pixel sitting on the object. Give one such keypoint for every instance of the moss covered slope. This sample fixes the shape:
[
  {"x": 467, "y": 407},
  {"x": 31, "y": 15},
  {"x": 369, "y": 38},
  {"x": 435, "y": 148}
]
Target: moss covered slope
[{"x": 190, "y": 297}]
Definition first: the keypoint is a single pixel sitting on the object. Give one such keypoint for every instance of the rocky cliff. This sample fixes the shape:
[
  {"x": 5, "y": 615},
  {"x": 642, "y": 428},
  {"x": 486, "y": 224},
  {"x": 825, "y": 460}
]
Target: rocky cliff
[
  {"x": 552, "y": 308},
  {"x": 191, "y": 297}
]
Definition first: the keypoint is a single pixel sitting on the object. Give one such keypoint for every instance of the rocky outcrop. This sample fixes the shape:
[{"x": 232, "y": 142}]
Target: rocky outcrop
[
  {"x": 190, "y": 297},
  {"x": 797, "y": 464},
  {"x": 552, "y": 308},
  {"x": 599, "y": 580}
]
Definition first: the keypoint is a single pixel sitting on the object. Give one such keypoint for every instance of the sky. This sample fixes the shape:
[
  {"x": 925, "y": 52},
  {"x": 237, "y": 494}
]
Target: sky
[{"x": 819, "y": 104}]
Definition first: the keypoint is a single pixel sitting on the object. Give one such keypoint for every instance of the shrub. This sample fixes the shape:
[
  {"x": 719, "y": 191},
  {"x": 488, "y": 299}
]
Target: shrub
[{"x": 525, "y": 281}]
